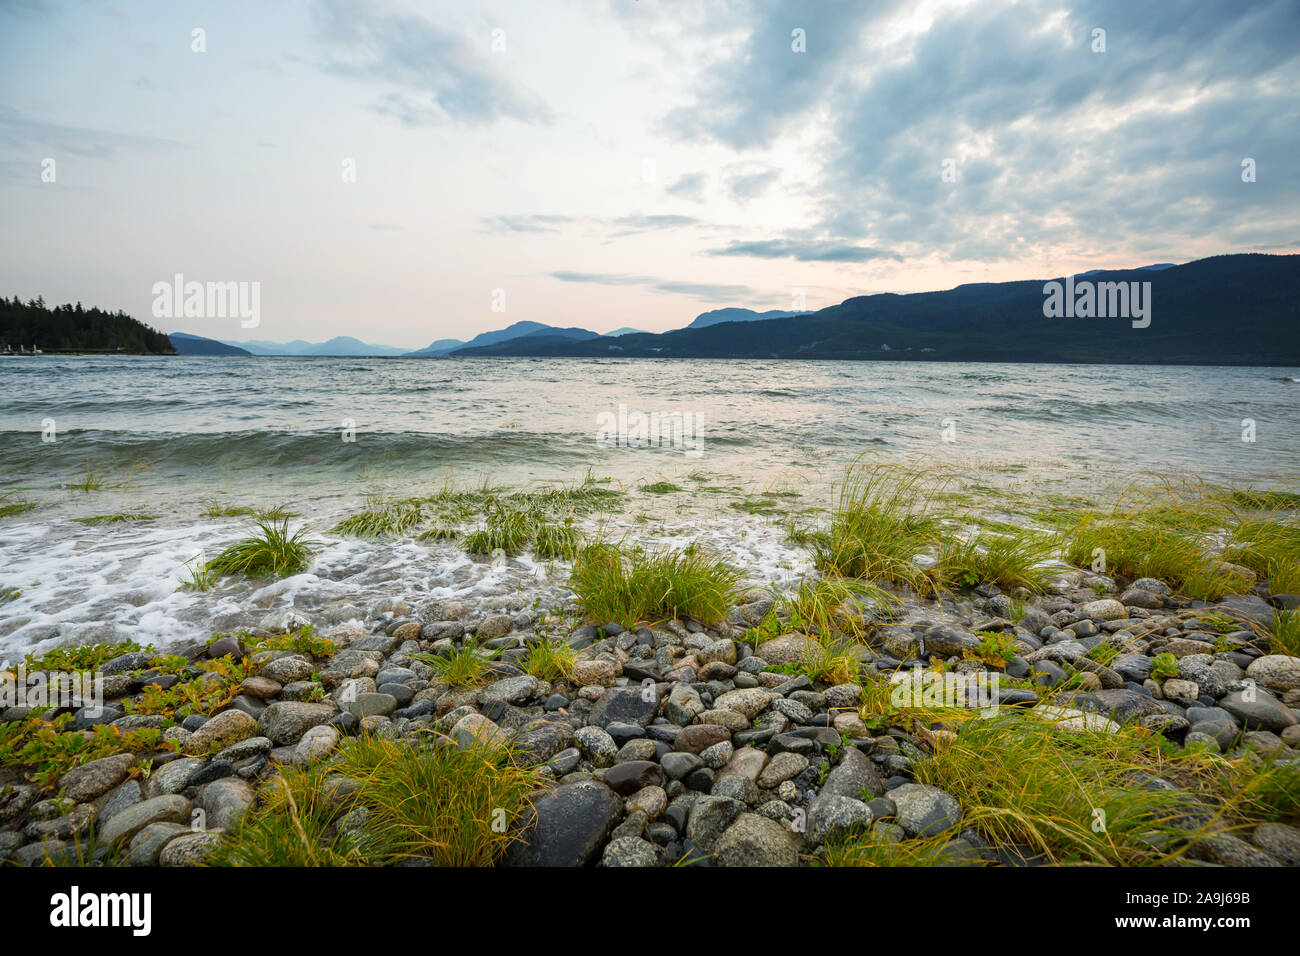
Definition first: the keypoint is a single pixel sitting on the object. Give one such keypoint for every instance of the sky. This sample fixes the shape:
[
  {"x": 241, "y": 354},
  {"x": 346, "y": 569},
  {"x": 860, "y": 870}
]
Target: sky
[{"x": 612, "y": 163}]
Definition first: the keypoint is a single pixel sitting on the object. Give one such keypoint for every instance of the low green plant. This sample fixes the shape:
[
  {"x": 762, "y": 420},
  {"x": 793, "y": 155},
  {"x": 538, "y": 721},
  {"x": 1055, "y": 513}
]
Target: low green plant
[
  {"x": 557, "y": 541},
  {"x": 995, "y": 649},
  {"x": 1009, "y": 560},
  {"x": 1164, "y": 666},
  {"x": 867, "y": 850},
  {"x": 88, "y": 657},
  {"x": 831, "y": 605},
  {"x": 661, "y": 488},
  {"x": 638, "y": 585},
  {"x": 197, "y": 576},
  {"x": 296, "y": 823},
  {"x": 507, "y": 529},
  {"x": 1103, "y": 653},
  {"x": 1080, "y": 796},
  {"x": 392, "y": 519},
  {"x": 302, "y": 641},
  {"x": 48, "y": 750},
  {"x": 119, "y": 518},
  {"x": 550, "y": 660},
  {"x": 11, "y": 504},
  {"x": 1157, "y": 532},
  {"x": 884, "y": 518},
  {"x": 463, "y": 666},
  {"x": 1285, "y": 633},
  {"x": 271, "y": 552},
  {"x": 428, "y": 801}
]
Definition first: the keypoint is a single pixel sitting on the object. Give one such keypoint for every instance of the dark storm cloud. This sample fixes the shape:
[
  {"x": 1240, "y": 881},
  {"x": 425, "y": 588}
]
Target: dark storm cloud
[{"x": 1139, "y": 145}]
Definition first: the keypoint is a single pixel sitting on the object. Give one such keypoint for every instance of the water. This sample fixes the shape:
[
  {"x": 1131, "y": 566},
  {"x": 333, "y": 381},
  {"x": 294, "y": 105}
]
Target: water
[{"x": 172, "y": 436}]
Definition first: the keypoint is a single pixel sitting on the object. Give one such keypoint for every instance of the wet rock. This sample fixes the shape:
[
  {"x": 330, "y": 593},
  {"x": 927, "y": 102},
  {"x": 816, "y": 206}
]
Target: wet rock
[
  {"x": 947, "y": 641},
  {"x": 190, "y": 849},
  {"x": 788, "y": 649},
  {"x": 1106, "y": 609},
  {"x": 569, "y": 825},
  {"x": 855, "y": 777},
  {"x": 626, "y": 779},
  {"x": 224, "y": 802},
  {"x": 146, "y": 846},
  {"x": 710, "y": 817},
  {"x": 699, "y": 737},
  {"x": 629, "y": 851},
  {"x": 625, "y": 705},
  {"x": 1277, "y": 672}
]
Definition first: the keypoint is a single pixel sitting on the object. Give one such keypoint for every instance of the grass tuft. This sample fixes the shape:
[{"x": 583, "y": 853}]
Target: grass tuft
[
  {"x": 881, "y": 522},
  {"x": 637, "y": 585},
  {"x": 272, "y": 552}
]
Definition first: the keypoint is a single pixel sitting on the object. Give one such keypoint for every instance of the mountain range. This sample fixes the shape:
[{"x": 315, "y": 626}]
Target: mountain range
[{"x": 1224, "y": 310}]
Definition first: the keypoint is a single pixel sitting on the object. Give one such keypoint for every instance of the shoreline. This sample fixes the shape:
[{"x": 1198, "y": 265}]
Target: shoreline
[{"x": 765, "y": 732}]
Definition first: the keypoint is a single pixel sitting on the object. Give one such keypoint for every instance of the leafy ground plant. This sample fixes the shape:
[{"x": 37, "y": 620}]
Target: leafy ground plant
[{"x": 49, "y": 751}]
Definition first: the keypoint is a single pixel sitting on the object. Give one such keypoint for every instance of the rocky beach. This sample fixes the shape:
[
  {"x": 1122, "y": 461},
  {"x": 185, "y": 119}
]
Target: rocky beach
[{"x": 1148, "y": 726}]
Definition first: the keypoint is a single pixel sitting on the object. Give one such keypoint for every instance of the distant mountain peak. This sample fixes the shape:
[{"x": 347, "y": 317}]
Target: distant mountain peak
[{"x": 736, "y": 314}]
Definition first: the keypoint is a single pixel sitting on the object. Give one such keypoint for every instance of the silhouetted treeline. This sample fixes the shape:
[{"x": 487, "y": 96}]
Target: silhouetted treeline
[{"x": 24, "y": 324}]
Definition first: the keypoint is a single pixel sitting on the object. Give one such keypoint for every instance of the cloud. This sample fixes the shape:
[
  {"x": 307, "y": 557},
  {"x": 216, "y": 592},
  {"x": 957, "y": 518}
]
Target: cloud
[
  {"x": 637, "y": 223},
  {"x": 817, "y": 250},
  {"x": 746, "y": 181},
  {"x": 690, "y": 186},
  {"x": 747, "y": 99},
  {"x": 23, "y": 134},
  {"x": 526, "y": 223},
  {"x": 1059, "y": 151},
  {"x": 436, "y": 76},
  {"x": 711, "y": 292},
  {"x": 629, "y": 225}
]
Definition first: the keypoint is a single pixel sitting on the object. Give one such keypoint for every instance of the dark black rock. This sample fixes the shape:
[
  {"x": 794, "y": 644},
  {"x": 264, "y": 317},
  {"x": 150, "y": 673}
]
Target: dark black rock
[
  {"x": 700, "y": 779},
  {"x": 226, "y": 646},
  {"x": 627, "y": 705},
  {"x": 622, "y": 732},
  {"x": 627, "y": 778},
  {"x": 214, "y": 770},
  {"x": 568, "y": 826}
]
